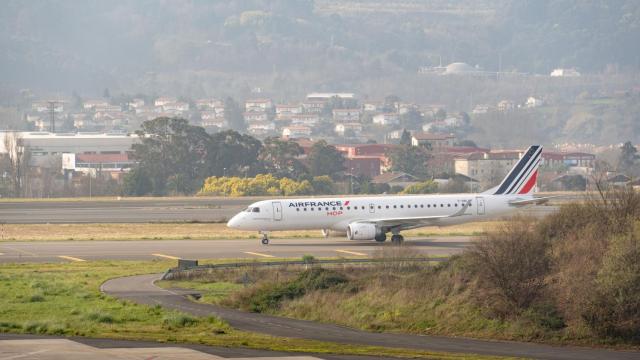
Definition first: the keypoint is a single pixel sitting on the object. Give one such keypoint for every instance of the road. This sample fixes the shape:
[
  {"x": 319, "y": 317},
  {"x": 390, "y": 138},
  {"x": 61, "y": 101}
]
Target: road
[
  {"x": 141, "y": 289},
  {"x": 47, "y": 251},
  {"x": 187, "y": 209}
]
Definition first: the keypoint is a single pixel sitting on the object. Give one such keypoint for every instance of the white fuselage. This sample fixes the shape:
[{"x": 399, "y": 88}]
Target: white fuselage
[{"x": 336, "y": 213}]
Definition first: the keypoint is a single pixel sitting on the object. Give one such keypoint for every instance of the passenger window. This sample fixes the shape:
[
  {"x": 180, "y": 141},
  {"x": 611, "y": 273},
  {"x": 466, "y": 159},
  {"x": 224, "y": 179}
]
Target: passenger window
[
  {"x": 305, "y": 209},
  {"x": 387, "y": 206},
  {"x": 327, "y": 208},
  {"x": 428, "y": 205},
  {"x": 319, "y": 209},
  {"x": 340, "y": 207},
  {"x": 297, "y": 209},
  {"x": 363, "y": 208},
  {"x": 348, "y": 207},
  {"x": 379, "y": 207},
  {"x": 394, "y": 206},
  {"x": 401, "y": 206},
  {"x": 456, "y": 205},
  {"x": 441, "y": 205},
  {"x": 421, "y": 205},
  {"x": 334, "y": 208}
]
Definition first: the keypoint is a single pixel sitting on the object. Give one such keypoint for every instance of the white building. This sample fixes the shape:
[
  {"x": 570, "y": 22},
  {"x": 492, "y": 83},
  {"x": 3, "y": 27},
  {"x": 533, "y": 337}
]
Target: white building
[
  {"x": 342, "y": 128},
  {"x": 296, "y": 131},
  {"x": 564, "y": 73},
  {"x": 258, "y": 105},
  {"x": 533, "y": 102},
  {"x": 329, "y": 95},
  {"x": 386, "y": 119},
  {"x": 346, "y": 115}
]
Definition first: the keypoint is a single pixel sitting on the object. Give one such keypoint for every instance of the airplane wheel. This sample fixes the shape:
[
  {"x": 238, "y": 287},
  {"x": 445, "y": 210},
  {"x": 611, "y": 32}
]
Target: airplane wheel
[
  {"x": 381, "y": 237},
  {"x": 265, "y": 241},
  {"x": 397, "y": 239}
]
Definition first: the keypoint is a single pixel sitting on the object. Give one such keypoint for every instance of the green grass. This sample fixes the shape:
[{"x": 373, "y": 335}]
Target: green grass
[{"x": 64, "y": 299}]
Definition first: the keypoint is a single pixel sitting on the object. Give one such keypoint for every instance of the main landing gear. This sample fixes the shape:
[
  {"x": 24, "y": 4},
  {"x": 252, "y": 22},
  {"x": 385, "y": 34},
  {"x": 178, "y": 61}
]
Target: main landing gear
[
  {"x": 265, "y": 238},
  {"x": 397, "y": 239}
]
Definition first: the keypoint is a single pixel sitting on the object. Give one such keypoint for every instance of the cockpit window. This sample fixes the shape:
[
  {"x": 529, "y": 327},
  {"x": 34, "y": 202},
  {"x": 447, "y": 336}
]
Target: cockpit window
[{"x": 255, "y": 209}]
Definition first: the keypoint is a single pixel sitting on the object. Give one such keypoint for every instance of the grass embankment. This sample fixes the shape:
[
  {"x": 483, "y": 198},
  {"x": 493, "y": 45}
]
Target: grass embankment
[
  {"x": 64, "y": 299},
  {"x": 187, "y": 231},
  {"x": 571, "y": 278}
]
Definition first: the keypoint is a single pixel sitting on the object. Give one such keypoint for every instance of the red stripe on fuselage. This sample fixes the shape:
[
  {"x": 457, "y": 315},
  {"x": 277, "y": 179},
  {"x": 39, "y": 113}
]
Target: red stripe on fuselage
[{"x": 530, "y": 183}]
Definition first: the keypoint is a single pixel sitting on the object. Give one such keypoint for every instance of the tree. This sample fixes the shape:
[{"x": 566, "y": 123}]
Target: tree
[
  {"x": 425, "y": 187},
  {"x": 628, "y": 158},
  {"x": 170, "y": 146},
  {"x": 231, "y": 153},
  {"x": 405, "y": 138},
  {"x": 281, "y": 157},
  {"x": 325, "y": 159},
  {"x": 441, "y": 114},
  {"x": 409, "y": 159},
  {"x": 136, "y": 183},
  {"x": 412, "y": 119},
  {"x": 233, "y": 115},
  {"x": 19, "y": 157}
]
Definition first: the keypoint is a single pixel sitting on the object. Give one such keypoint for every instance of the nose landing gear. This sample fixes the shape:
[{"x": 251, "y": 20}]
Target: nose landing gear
[{"x": 265, "y": 238}]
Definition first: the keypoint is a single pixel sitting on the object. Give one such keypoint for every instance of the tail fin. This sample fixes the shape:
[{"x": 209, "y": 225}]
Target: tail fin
[{"x": 522, "y": 178}]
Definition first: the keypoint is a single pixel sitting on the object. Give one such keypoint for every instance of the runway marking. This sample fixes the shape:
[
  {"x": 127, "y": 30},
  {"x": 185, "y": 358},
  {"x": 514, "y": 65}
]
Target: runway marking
[
  {"x": 351, "y": 252},
  {"x": 21, "y": 251},
  {"x": 167, "y": 256},
  {"x": 259, "y": 254},
  {"x": 71, "y": 258}
]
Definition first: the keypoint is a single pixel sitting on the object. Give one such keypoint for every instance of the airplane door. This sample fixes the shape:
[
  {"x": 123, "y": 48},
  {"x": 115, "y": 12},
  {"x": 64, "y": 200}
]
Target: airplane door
[
  {"x": 372, "y": 208},
  {"x": 277, "y": 210},
  {"x": 480, "y": 205}
]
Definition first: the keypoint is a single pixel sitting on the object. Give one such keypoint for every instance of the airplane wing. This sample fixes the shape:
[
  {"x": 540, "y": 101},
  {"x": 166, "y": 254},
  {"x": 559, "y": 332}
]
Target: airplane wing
[
  {"x": 532, "y": 201},
  {"x": 414, "y": 221}
]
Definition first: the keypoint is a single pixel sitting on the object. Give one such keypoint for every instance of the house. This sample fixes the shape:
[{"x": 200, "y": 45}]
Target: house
[
  {"x": 372, "y": 106},
  {"x": 481, "y": 109},
  {"x": 437, "y": 142},
  {"x": 163, "y": 100},
  {"x": 209, "y": 104},
  {"x": 346, "y": 115},
  {"x": 313, "y": 106},
  {"x": 260, "y": 105},
  {"x": 326, "y": 96},
  {"x": 487, "y": 167},
  {"x": 368, "y": 166},
  {"x": 386, "y": 119},
  {"x": 344, "y": 128},
  {"x": 136, "y": 103},
  {"x": 305, "y": 119},
  {"x": 533, "y": 102},
  {"x": 572, "y": 72},
  {"x": 250, "y": 116},
  {"x": 367, "y": 152},
  {"x": 296, "y": 131},
  {"x": 45, "y": 106},
  {"x": 176, "y": 107},
  {"x": 506, "y": 105},
  {"x": 261, "y": 127},
  {"x": 470, "y": 184},
  {"x": 92, "y": 104},
  {"x": 397, "y": 179},
  {"x": 288, "y": 109},
  {"x": 217, "y": 121}
]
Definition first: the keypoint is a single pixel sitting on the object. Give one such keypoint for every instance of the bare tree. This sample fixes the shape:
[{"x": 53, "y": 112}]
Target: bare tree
[{"x": 19, "y": 157}]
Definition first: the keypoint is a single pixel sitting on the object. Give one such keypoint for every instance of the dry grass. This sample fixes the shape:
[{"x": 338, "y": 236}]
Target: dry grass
[{"x": 186, "y": 231}]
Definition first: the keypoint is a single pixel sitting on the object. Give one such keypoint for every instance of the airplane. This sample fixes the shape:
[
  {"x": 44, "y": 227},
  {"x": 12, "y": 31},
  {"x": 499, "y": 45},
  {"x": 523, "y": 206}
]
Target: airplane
[{"x": 372, "y": 217}]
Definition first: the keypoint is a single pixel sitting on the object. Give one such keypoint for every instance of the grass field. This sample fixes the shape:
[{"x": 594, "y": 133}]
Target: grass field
[
  {"x": 64, "y": 299},
  {"x": 186, "y": 231}
]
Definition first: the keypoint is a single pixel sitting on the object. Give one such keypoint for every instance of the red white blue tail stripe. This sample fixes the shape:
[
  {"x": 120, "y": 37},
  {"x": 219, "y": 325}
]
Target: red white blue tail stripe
[{"x": 522, "y": 178}]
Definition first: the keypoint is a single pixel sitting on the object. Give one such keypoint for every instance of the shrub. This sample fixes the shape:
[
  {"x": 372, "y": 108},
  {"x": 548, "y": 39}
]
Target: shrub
[
  {"x": 425, "y": 187},
  {"x": 101, "y": 318},
  {"x": 178, "y": 321},
  {"x": 513, "y": 261},
  {"x": 36, "y": 298},
  {"x": 614, "y": 309}
]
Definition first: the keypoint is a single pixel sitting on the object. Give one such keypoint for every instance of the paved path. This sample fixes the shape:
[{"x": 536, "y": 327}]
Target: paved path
[
  {"x": 48, "y": 251},
  {"x": 40, "y": 347},
  {"x": 141, "y": 289}
]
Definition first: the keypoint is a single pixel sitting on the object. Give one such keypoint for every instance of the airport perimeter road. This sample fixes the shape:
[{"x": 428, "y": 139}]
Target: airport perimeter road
[
  {"x": 203, "y": 209},
  {"x": 48, "y": 251},
  {"x": 141, "y": 289}
]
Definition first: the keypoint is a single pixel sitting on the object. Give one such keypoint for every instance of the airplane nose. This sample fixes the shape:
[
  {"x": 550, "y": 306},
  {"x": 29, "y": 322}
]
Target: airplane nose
[{"x": 234, "y": 222}]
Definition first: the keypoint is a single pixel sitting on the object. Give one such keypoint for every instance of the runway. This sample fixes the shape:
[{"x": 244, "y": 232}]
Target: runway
[
  {"x": 66, "y": 251},
  {"x": 185, "y": 209}
]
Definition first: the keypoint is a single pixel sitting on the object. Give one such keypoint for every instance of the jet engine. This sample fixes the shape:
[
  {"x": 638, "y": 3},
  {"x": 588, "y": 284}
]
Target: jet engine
[{"x": 360, "y": 231}]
